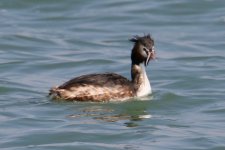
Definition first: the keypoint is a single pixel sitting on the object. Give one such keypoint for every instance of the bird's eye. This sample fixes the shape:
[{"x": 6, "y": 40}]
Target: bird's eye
[{"x": 145, "y": 49}]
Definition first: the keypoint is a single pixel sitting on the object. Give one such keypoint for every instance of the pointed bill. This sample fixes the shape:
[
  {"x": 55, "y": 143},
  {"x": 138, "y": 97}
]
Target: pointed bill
[{"x": 148, "y": 58}]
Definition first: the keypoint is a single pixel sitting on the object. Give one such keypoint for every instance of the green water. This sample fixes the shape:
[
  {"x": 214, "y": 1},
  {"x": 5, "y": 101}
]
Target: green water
[{"x": 45, "y": 43}]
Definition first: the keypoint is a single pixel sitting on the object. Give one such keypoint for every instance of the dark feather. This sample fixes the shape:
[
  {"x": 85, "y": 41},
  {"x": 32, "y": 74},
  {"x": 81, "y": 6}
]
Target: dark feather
[
  {"x": 104, "y": 80},
  {"x": 94, "y": 87}
]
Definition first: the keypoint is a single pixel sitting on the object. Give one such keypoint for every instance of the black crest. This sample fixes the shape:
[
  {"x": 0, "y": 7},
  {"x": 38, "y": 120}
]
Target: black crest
[{"x": 137, "y": 38}]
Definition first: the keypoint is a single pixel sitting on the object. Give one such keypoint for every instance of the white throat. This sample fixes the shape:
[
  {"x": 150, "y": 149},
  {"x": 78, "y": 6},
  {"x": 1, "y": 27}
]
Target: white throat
[{"x": 145, "y": 87}]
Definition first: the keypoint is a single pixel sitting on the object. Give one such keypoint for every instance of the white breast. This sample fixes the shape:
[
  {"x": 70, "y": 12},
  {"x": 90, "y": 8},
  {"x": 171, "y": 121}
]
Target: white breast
[{"x": 145, "y": 88}]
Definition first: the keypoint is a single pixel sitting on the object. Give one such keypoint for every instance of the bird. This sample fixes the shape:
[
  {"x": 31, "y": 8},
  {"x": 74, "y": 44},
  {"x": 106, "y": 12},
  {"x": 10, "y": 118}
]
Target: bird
[{"x": 102, "y": 87}]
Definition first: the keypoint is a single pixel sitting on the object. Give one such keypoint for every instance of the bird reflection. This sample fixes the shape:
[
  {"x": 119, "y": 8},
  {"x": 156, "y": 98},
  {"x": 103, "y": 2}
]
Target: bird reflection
[{"x": 130, "y": 113}]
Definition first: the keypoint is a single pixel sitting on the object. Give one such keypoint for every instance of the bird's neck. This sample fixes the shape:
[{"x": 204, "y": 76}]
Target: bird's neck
[{"x": 140, "y": 80}]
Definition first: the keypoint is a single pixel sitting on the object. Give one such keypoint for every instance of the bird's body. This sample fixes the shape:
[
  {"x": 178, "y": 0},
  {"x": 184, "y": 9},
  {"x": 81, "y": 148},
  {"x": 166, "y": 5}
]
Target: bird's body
[
  {"x": 95, "y": 87},
  {"x": 111, "y": 86}
]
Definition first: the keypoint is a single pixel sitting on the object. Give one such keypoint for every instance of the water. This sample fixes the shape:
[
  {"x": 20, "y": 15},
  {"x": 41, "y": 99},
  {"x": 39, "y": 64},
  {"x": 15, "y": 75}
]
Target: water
[{"x": 44, "y": 43}]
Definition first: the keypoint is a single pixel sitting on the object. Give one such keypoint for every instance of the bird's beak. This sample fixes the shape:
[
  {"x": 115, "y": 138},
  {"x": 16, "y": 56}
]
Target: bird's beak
[
  {"x": 151, "y": 55},
  {"x": 148, "y": 59}
]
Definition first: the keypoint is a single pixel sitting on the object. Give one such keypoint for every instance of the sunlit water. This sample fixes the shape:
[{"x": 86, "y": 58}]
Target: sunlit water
[{"x": 44, "y": 43}]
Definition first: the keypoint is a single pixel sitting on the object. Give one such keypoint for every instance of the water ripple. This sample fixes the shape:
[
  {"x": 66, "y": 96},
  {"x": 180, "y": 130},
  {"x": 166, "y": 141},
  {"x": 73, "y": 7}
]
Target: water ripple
[{"x": 44, "y": 44}]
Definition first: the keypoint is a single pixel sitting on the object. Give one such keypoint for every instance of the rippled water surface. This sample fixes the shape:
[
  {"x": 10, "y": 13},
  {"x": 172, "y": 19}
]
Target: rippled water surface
[{"x": 44, "y": 43}]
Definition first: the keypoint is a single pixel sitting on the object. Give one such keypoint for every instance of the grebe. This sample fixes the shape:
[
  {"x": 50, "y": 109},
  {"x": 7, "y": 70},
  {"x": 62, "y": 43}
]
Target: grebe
[{"x": 111, "y": 86}]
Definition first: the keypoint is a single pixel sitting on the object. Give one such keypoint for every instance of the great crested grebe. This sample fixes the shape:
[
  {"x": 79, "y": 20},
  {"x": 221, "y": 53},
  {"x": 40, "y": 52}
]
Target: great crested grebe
[{"x": 111, "y": 86}]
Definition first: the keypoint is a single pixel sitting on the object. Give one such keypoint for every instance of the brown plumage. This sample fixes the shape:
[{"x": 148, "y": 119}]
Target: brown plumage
[
  {"x": 95, "y": 87},
  {"x": 111, "y": 86}
]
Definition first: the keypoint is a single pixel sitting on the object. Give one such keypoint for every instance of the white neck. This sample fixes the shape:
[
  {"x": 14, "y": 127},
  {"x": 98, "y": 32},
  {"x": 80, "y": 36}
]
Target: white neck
[{"x": 145, "y": 87}]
